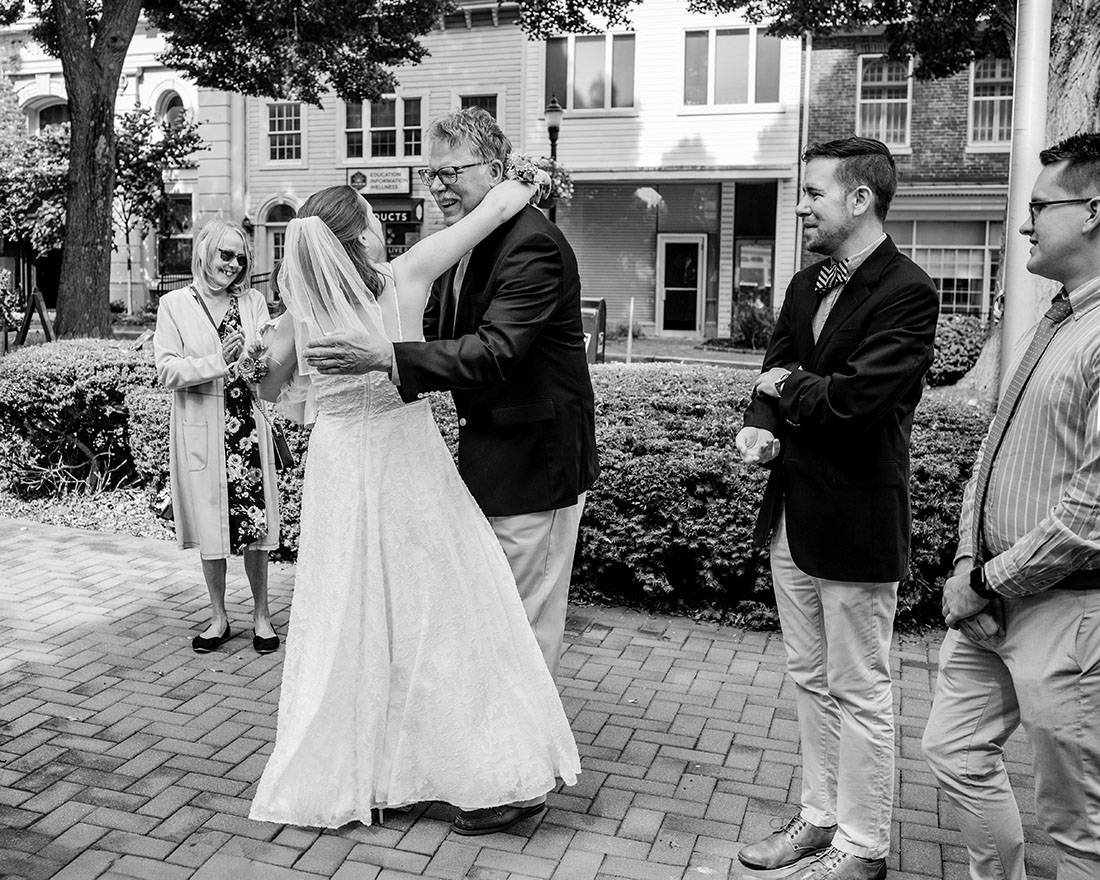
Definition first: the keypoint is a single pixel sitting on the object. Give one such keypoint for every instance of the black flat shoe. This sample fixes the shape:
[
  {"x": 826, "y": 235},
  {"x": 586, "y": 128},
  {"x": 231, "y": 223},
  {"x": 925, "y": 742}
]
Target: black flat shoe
[
  {"x": 201, "y": 645},
  {"x": 264, "y": 646}
]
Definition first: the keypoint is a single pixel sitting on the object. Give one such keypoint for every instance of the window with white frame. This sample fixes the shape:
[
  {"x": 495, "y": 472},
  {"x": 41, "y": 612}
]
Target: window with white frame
[
  {"x": 591, "y": 72},
  {"x": 284, "y": 131},
  {"x": 730, "y": 66},
  {"x": 388, "y": 127},
  {"x": 488, "y": 103},
  {"x": 991, "y": 102},
  {"x": 961, "y": 256},
  {"x": 883, "y": 100}
]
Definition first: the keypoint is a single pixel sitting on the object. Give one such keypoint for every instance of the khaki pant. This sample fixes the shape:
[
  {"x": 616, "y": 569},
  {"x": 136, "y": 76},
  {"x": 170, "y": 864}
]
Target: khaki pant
[
  {"x": 837, "y": 635},
  {"x": 1045, "y": 674},
  {"x": 540, "y": 548}
]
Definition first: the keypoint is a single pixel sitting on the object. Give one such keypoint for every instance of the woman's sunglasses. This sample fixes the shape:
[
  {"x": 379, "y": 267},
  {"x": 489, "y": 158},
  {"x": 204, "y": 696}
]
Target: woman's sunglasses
[{"x": 230, "y": 256}]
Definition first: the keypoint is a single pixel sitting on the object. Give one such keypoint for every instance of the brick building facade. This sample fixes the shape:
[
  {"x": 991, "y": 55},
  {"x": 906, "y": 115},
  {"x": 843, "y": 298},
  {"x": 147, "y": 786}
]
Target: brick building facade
[{"x": 950, "y": 138}]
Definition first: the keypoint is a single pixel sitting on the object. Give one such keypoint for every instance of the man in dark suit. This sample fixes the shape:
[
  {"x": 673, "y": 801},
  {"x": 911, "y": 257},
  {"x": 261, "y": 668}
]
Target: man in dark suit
[
  {"x": 831, "y": 417},
  {"x": 503, "y": 334}
]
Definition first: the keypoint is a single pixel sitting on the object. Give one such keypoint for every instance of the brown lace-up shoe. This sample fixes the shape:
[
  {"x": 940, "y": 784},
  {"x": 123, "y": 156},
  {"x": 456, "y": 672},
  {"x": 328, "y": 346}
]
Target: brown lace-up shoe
[
  {"x": 836, "y": 865},
  {"x": 795, "y": 840}
]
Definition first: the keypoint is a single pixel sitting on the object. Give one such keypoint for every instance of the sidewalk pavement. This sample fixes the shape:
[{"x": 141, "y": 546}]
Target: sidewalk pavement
[
  {"x": 125, "y": 755},
  {"x": 680, "y": 350}
]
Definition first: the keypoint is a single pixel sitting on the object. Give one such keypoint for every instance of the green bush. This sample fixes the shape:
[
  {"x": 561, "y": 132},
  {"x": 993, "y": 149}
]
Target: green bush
[
  {"x": 752, "y": 323},
  {"x": 669, "y": 523},
  {"x": 667, "y": 526},
  {"x": 959, "y": 341},
  {"x": 147, "y": 413},
  {"x": 63, "y": 422}
]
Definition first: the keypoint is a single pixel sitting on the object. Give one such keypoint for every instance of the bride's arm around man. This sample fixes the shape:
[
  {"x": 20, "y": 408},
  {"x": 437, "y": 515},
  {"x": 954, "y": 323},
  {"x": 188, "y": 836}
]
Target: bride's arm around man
[{"x": 503, "y": 334}]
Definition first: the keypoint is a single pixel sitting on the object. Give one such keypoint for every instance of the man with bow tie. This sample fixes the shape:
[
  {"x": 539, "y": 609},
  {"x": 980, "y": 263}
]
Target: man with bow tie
[
  {"x": 1029, "y": 560},
  {"x": 831, "y": 417}
]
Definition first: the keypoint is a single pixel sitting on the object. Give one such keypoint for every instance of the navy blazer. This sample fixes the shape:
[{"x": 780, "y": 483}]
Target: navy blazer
[
  {"x": 514, "y": 360},
  {"x": 845, "y": 416}
]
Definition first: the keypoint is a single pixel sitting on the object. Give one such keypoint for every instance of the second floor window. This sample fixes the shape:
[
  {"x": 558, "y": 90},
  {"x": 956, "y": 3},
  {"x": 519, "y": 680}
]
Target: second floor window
[
  {"x": 883, "y": 100},
  {"x": 591, "y": 72},
  {"x": 991, "y": 102},
  {"x": 730, "y": 66},
  {"x": 284, "y": 131},
  {"x": 387, "y": 127}
]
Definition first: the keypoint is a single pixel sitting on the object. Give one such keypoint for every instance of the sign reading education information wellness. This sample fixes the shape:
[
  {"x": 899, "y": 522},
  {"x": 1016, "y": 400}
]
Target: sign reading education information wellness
[{"x": 381, "y": 181}]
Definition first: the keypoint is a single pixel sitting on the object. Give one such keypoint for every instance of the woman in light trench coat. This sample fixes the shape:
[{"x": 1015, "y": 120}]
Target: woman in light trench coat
[{"x": 222, "y": 462}]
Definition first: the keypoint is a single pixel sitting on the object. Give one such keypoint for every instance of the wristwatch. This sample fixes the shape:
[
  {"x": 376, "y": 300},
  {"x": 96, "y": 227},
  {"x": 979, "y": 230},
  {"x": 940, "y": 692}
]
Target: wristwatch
[
  {"x": 781, "y": 382},
  {"x": 978, "y": 584}
]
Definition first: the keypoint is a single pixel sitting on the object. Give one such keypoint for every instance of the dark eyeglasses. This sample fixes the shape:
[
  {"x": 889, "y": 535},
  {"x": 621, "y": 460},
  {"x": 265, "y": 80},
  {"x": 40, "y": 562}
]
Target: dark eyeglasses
[
  {"x": 447, "y": 175},
  {"x": 230, "y": 256},
  {"x": 1034, "y": 209}
]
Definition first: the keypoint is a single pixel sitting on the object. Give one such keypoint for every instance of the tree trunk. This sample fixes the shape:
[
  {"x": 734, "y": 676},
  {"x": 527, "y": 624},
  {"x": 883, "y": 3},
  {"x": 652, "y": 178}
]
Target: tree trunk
[
  {"x": 92, "y": 65},
  {"x": 1073, "y": 97}
]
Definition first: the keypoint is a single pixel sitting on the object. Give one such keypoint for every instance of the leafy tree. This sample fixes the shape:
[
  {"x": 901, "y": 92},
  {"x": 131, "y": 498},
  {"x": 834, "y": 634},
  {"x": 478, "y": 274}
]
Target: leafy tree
[
  {"x": 13, "y": 124},
  {"x": 257, "y": 47},
  {"x": 145, "y": 152},
  {"x": 34, "y": 182}
]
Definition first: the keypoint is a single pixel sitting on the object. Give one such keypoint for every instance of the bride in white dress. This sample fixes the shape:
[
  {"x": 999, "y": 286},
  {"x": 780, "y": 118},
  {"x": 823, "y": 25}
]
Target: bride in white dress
[{"x": 411, "y": 673}]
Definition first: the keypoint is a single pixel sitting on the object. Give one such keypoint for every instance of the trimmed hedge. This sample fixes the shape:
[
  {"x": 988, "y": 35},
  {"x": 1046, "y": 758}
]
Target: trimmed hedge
[
  {"x": 959, "y": 341},
  {"x": 63, "y": 415},
  {"x": 669, "y": 523}
]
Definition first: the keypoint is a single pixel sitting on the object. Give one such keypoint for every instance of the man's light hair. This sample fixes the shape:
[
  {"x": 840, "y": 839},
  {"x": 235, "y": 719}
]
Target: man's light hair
[{"x": 473, "y": 127}]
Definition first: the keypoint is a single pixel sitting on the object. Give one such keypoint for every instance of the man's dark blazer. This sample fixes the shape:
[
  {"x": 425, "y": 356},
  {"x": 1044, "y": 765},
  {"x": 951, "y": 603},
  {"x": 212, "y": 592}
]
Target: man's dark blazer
[
  {"x": 515, "y": 363},
  {"x": 845, "y": 416}
]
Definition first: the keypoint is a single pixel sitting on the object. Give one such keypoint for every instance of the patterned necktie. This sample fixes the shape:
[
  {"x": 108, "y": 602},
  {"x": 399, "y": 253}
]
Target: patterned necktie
[
  {"x": 459, "y": 277},
  {"x": 1059, "y": 310},
  {"x": 832, "y": 274}
]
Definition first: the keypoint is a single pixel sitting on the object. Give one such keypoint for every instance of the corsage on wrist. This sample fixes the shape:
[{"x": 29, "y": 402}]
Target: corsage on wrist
[
  {"x": 518, "y": 167},
  {"x": 252, "y": 366}
]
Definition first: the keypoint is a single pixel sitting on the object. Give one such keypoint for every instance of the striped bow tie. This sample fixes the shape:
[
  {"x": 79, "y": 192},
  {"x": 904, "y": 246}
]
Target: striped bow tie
[{"x": 832, "y": 274}]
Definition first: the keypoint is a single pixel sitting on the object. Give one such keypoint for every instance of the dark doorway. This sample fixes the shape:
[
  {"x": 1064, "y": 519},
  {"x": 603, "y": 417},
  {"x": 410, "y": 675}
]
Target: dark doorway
[{"x": 47, "y": 274}]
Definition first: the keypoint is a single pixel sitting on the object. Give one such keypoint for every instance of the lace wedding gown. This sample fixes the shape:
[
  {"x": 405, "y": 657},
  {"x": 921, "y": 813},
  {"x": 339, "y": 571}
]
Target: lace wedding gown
[{"x": 411, "y": 672}]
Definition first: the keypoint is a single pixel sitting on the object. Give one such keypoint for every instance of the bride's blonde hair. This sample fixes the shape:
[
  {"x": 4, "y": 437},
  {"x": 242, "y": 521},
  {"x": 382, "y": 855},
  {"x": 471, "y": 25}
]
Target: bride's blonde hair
[{"x": 344, "y": 211}]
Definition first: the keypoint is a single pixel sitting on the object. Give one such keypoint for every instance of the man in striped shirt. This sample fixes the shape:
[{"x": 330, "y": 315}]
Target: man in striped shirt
[{"x": 1029, "y": 559}]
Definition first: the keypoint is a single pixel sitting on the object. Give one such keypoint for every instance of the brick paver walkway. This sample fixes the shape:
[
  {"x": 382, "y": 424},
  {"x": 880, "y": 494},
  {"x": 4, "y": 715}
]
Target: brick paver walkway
[{"x": 125, "y": 755}]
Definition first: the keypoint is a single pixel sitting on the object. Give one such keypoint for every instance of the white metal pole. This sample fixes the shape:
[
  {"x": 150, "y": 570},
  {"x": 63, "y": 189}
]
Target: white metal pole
[
  {"x": 630, "y": 330},
  {"x": 1022, "y": 301}
]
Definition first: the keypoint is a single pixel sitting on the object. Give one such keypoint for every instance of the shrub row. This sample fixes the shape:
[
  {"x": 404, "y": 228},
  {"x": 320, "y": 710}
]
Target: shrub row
[
  {"x": 959, "y": 341},
  {"x": 667, "y": 526},
  {"x": 63, "y": 415}
]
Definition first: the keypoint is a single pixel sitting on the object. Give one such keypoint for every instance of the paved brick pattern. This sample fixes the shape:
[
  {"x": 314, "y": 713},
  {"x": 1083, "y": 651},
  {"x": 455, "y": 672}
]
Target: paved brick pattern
[{"x": 125, "y": 755}]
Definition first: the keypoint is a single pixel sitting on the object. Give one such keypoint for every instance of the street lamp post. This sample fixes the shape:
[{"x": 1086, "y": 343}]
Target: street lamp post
[{"x": 553, "y": 126}]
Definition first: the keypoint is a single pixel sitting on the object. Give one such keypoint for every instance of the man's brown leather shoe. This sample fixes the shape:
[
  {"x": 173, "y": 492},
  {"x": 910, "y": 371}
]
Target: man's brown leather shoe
[
  {"x": 836, "y": 865},
  {"x": 796, "y": 840}
]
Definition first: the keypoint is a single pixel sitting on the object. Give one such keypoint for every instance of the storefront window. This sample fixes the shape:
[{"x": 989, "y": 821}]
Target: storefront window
[{"x": 961, "y": 256}]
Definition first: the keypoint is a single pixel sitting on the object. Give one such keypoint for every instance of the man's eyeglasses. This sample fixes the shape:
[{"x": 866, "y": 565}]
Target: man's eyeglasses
[
  {"x": 1036, "y": 208},
  {"x": 446, "y": 175},
  {"x": 230, "y": 256}
]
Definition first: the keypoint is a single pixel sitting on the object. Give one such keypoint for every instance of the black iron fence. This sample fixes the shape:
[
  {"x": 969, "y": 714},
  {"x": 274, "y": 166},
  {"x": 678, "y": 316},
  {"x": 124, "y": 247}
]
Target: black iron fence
[{"x": 166, "y": 283}]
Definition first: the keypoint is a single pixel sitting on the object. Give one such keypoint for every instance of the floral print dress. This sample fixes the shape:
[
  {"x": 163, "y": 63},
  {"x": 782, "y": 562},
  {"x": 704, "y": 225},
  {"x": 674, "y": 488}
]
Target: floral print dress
[{"x": 243, "y": 471}]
